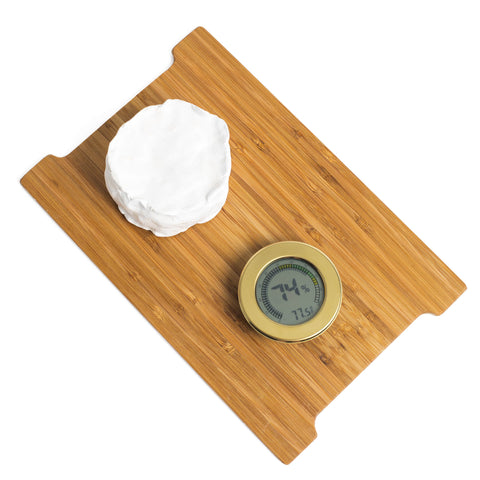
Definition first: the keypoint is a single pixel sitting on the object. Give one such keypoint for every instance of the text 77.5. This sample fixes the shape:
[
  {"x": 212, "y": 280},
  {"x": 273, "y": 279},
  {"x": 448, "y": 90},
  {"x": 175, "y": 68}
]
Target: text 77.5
[{"x": 302, "y": 312}]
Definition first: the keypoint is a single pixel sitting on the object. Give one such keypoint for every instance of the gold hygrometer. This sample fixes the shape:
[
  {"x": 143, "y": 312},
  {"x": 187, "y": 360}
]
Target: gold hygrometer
[{"x": 290, "y": 291}]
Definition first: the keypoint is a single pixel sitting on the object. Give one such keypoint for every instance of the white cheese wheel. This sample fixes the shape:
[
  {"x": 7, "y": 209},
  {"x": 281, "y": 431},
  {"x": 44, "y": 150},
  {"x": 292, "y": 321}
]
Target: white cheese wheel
[{"x": 168, "y": 167}]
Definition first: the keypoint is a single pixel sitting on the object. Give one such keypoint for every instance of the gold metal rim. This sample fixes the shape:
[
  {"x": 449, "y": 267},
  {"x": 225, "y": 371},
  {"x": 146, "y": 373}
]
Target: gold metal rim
[{"x": 290, "y": 333}]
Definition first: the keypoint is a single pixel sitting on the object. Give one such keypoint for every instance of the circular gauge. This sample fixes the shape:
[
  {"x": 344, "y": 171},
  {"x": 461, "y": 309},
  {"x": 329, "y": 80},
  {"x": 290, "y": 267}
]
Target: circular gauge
[{"x": 290, "y": 291}]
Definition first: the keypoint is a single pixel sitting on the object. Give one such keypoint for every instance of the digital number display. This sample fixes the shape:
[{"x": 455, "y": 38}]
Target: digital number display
[{"x": 290, "y": 291}]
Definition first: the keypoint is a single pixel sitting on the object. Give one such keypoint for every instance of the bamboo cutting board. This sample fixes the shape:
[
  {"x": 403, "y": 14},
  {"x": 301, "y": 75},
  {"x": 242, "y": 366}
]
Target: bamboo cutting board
[{"x": 285, "y": 185}]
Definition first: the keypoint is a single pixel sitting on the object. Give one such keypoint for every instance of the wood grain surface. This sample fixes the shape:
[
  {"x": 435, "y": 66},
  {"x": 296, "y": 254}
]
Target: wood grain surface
[{"x": 285, "y": 185}]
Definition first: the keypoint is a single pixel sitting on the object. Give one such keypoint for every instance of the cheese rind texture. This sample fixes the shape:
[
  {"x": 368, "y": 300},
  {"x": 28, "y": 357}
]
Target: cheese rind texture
[{"x": 168, "y": 167}]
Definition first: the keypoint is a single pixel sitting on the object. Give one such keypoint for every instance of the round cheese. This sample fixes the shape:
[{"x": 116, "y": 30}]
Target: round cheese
[{"x": 168, "y": 167}]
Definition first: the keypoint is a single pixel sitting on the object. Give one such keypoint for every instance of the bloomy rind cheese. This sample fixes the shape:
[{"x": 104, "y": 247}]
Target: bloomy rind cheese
[{"x": 168, "y": 167}]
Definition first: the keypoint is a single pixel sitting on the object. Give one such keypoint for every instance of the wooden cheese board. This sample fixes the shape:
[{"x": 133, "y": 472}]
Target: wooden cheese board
[{"x": 285, "y": 185}]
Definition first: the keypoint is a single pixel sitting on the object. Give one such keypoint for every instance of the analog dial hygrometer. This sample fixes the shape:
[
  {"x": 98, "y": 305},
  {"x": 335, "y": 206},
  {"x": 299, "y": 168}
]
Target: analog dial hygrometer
[{"x": 290, "y": 291}]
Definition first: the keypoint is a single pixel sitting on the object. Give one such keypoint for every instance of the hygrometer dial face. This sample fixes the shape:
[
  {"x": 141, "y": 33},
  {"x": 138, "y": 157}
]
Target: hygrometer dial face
[{"x": 290, "y": 291}]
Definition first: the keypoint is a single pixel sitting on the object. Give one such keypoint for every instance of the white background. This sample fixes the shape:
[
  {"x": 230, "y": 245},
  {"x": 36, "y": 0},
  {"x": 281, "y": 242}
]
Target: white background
[{"x": 88, "y": 389}]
